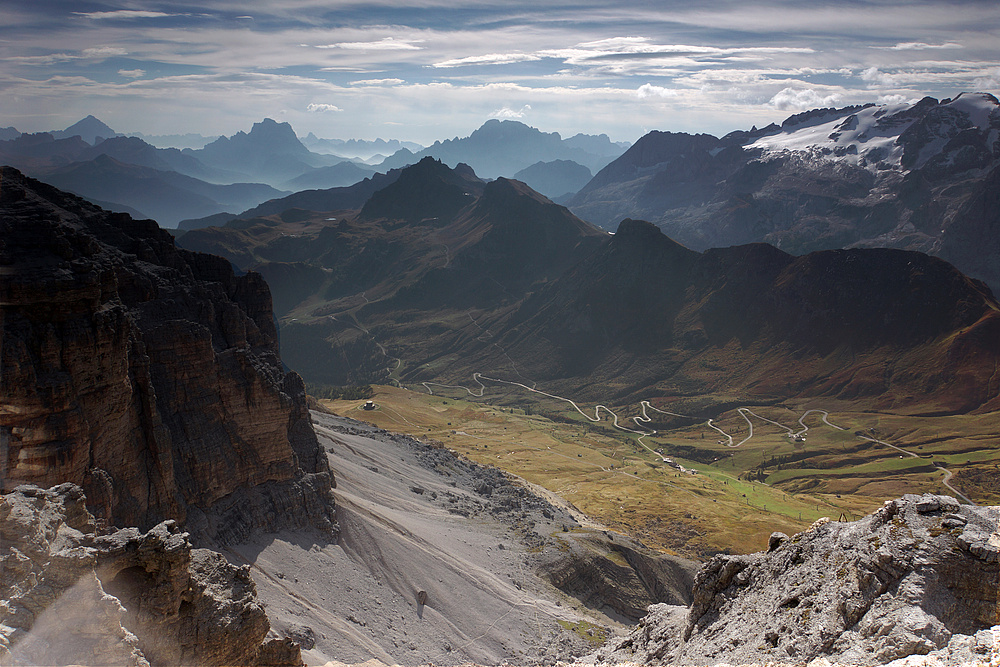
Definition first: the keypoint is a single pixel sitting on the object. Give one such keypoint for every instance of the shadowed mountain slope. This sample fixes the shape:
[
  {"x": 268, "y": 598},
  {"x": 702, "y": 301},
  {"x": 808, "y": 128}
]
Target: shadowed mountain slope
[
  {"x": 441, "y": 276},
  {"x": 908, "y": 176}
]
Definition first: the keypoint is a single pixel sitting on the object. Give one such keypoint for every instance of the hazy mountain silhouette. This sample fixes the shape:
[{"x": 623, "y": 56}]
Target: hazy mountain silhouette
[
  {"x": 503, "y": 148},
  {"x": 90, "y": 129}
]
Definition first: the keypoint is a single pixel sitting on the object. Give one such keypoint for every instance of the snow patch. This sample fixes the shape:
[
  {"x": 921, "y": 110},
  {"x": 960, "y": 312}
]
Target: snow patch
[
  {"x": 850, "y": 138},
  {"x": 977, "y": 106}
]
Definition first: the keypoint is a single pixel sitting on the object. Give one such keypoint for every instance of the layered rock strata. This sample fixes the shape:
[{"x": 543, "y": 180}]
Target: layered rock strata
[
  {"x": 146, "y": 374},
  {"x": 918, "y": 576},
  {"x": 71, "y": 596}
]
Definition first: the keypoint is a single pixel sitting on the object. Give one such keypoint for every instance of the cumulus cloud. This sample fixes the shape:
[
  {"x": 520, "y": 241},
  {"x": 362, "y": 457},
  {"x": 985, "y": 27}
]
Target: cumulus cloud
[
  {"x": 507, "y": 113},
  {"x": 990, "y": 81},
  {"x": 893, "y": 99},
  {"x": 322, "y": 108},
  {"x": 132, "y": 73},
  {"x": 805, "y": 98},
  {"x": 384, "y": 44},
  {"x": 647, "y": 90},
  {"x": 876, "y": 77}
]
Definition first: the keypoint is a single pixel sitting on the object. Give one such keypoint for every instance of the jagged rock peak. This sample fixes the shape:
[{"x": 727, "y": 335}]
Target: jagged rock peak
[
  {"x": 428, "y": 190},
  {"x": 918, "y": 576}
]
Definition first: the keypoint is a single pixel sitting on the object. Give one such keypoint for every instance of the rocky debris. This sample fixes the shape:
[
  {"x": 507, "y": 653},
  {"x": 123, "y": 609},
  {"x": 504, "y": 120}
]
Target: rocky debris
[
  {"x": 917, "y": 577},
  {"x": 70, "y": 596},
  {"x": 479, "y": 490},
  {"x": 610, "y": 573},
  {"x": 618, "y": 573},
  {"x": 146, "y": 374}
]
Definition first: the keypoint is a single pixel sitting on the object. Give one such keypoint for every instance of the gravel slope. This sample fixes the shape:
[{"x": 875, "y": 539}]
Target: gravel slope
[{"x": 413, "y": 518}]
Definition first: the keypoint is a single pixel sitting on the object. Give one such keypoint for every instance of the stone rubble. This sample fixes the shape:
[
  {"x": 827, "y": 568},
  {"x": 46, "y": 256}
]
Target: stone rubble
[
  {"x": 918, "y": 577},
  {"x": 71, "y": 596}
]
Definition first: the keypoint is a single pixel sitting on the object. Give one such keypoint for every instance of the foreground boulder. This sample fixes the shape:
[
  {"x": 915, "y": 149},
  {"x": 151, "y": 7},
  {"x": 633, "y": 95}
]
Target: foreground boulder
[
  {"x": 918, "y": 576},
  {"x": 71, "y": 596},
  {"x": 146, "y": 374}
]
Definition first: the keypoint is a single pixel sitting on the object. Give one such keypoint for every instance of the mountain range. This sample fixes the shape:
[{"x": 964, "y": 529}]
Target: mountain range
[
  {"x": 917, "y": 176},
  {"x": 503, "y": 148},
  {"x": 271, "y": 154},
  {"x": 361, "y": 149},
  {"x": 440, "y": 275},
  {"x": 148, "y": 377}
]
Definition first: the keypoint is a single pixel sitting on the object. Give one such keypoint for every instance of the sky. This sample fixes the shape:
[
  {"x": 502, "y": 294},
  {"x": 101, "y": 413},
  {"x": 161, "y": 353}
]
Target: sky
[{"x": 435, "y": 69}]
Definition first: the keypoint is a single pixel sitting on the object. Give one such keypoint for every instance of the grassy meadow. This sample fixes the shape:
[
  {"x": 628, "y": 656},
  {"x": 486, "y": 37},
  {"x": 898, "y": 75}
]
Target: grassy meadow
[{"x": 719, "y": 498}]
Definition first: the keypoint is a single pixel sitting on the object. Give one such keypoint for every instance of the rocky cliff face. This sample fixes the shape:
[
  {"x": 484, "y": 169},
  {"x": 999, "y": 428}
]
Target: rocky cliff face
[
  {"x": 146, "y": 374},
  {"x": 918, "y": 576},
  {"x": 126, "y": 598}
]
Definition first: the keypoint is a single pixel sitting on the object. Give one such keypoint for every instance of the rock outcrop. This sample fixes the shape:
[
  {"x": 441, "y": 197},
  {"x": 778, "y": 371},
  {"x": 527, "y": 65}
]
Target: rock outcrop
[
  {"x": 71, "y": 596},
  {"x": 613, "y": 571},
  {"x": 918, "y": 576},
  {"x": 146, "y": 374}
]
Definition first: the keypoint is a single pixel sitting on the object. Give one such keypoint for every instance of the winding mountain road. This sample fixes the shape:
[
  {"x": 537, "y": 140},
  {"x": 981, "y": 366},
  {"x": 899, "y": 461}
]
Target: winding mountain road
[
  {"x": 644, "y": 405},
  {"x": 946, "y": 481},
  {"x": 644, "y": 418}
]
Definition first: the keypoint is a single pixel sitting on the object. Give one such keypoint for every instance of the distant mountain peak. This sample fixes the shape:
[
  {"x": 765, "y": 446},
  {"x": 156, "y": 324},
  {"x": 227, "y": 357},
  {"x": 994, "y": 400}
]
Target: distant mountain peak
[
  {"x": 646, "y": 236},
  {"x": 89, "y": 129},
  {"x": 494, "y": 128},
  {"x": 429, "y": 189}
]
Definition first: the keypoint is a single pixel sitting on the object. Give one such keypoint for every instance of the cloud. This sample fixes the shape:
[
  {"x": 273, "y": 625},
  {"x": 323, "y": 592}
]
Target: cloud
[
  {"x": 132, "y": 73},
  {"x": 807, "y": 98},
  {"x": 377, "y": 82},
  {"x": 104, "y": 52},
  {"x": 123, "y": 14},
  {"x": 875, "y": 77},
  {"x": 322, "y": 108},
  {"x": 649, "y": 90},
  {"x": 384, "y": 44},
  {"x": 508, "y": 113},
  {"x": 919, "y": 46},
  {"x": 893, "y": 99},
  {"x": 49, "y": 59},
  {"x": 990, "y": 81},
  {"x": 488, "y": 59}
]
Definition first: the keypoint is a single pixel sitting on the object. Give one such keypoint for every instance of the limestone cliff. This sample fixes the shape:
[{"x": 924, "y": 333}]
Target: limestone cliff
[
  {"x": 917, "y": 577},
  {"x": 146, "y": 374},
  {"x": 70, "y": 596}
]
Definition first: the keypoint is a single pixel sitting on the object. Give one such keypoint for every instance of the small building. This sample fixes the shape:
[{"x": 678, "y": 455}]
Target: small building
[{"x": 369, "y": 405}]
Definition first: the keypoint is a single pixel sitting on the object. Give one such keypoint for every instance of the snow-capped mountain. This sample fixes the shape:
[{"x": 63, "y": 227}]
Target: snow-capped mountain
[
  {"x": 900, "y": 136},
  {"x": 921, "y": 176}
]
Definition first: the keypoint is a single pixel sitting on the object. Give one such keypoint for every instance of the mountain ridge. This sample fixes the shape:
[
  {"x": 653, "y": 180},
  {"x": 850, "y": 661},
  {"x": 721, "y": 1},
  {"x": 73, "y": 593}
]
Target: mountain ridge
[
  {"x": 864, "y": 176},
  {"x": 502, "y": 148},
  {"x": 573, "y": 306}
]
